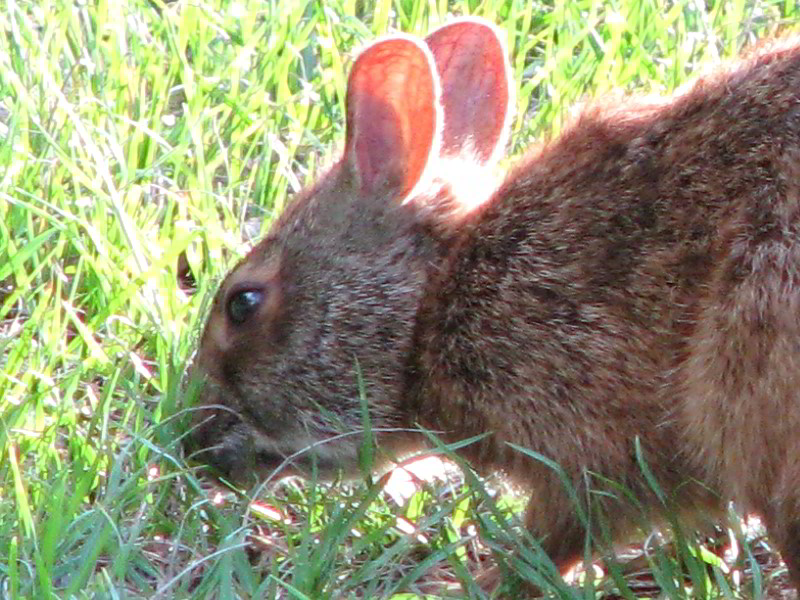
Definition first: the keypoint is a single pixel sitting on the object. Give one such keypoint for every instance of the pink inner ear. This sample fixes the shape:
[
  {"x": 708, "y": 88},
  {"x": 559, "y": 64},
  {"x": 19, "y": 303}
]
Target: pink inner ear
[
  {"x": 391, "y": 115},
  {"x": 475, "y": 89}
]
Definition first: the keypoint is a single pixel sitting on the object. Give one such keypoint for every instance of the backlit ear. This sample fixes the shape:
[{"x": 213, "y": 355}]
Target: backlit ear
[
  {"x": 475, "y": 76},
  {"x": 393, "y": 116}
]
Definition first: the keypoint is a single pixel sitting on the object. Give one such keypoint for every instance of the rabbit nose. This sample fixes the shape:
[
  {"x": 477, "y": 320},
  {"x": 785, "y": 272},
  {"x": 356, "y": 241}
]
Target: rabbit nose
[{"x": 219, "y": 439}]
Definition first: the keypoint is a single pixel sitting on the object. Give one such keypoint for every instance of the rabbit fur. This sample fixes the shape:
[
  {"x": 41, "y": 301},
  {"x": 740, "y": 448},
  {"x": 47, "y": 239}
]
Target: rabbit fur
[{"x": 637, "y": 278}]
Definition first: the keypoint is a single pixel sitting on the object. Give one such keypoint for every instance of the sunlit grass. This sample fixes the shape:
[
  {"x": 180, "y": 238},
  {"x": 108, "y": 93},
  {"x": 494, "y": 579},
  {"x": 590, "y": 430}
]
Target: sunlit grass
[{"x": 133, "y": 132}]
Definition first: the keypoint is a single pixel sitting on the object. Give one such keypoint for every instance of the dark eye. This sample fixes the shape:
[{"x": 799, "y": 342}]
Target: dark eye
[{"x": 243, "y": 304}]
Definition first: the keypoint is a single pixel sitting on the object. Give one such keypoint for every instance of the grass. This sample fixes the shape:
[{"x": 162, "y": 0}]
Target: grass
[{"x": 134, "y": 133}]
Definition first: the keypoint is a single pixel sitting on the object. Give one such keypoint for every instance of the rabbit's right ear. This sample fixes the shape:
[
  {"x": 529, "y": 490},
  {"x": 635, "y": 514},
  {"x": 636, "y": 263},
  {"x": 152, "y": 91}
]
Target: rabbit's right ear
[
  {"x": 477, "y": 97},
  {"x": 393, "y": 116}
]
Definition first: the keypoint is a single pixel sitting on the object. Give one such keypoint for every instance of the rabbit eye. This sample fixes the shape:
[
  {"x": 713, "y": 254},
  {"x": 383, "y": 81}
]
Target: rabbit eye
[{"x": 243, "y": 304}]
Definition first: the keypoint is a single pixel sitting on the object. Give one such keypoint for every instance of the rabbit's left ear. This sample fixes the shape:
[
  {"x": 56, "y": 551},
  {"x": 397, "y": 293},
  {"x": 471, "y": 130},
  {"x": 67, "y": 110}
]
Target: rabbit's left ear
[
  {"x": 393, "y": 116},
  {"x": 477, "y": 99}
]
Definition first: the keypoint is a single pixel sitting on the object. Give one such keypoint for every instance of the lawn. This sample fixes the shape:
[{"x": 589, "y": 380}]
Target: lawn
[{"x": 144, "y": 145}]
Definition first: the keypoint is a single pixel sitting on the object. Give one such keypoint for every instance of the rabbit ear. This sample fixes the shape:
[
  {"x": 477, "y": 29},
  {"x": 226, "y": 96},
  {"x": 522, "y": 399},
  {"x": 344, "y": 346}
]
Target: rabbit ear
[
  {"x": 476, "y": 93},
  {"x": 393, "y": 114}
]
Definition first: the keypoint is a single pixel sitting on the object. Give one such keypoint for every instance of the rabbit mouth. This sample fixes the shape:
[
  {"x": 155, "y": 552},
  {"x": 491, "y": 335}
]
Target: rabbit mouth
[
  {"x": 243, "y": 454},
  {"x": 299, "y": 453},
  {"x": 234, "y": 455}
]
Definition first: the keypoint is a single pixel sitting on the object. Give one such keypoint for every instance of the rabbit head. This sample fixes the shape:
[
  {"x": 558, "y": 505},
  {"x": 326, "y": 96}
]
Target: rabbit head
[{"x": 321, "y": 312}]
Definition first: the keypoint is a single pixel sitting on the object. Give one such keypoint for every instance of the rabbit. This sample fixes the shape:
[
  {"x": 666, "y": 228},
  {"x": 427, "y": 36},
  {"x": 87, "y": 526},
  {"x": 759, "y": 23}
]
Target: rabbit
[{"x": 630, "y": 287}]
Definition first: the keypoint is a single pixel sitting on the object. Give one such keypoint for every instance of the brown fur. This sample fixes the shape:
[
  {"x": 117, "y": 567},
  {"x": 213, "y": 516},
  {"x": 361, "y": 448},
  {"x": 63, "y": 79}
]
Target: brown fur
[{"x": 639, "y": 276}]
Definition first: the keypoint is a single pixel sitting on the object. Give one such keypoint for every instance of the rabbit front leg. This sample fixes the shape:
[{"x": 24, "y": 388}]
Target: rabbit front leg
[{"x": 560, "y": 534}]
